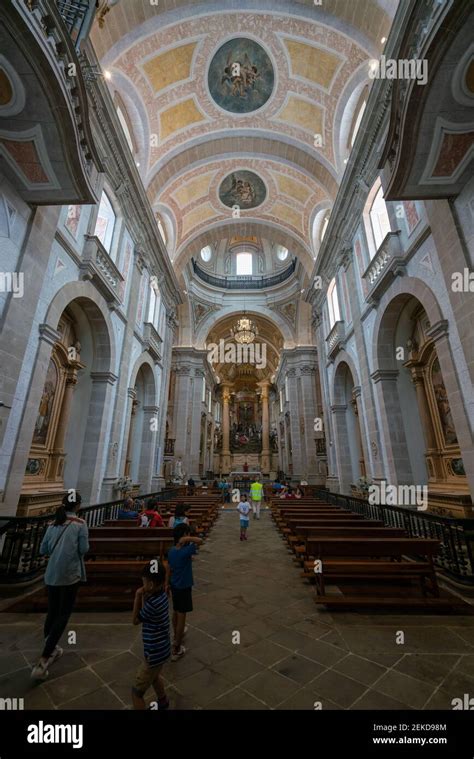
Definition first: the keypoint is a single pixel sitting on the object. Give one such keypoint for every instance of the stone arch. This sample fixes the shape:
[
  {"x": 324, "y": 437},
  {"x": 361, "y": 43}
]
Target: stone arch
[
  {"x": 346, "y": 423},
  {"x": 396, "y": 387},
  {"x": 142, "y": 423},
  {"x": 388, "y": 313},
  {"x": 80, "y": 436},
  {"x": 235, "y": 308},
  {"x": 98, "y": 315},
  {"x": 343, "y": 358}
]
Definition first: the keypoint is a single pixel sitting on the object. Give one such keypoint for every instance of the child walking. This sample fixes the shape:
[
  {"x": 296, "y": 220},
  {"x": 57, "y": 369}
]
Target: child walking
[
  {"x": 244, "y": 509},
  {"x": 151, "y": 609}
]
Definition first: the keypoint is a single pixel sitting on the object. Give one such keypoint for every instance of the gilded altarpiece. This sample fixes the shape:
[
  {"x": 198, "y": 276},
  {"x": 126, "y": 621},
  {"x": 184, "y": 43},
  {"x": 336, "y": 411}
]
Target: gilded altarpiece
[
  {"x": 446, "y": 475},
  {"x": 44, "y": 475}
]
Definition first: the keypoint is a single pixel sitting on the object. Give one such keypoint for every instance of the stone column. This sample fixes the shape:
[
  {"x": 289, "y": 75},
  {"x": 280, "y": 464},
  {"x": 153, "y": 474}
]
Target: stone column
[
  {"x": 147, "y": 450},
  {"x": 295, "y": 425},
  {"x": 397, "y": 462},
  {"x": 132, "y": 394},
  {"x": 343, "y": 459},
  {"x": 265, "y": 457},
  {"x": 118, "y": 439},
  {"x": 225, "y": 454},
  {"x": 356, "y": 393},
  {"x": 93, "y": 451}
]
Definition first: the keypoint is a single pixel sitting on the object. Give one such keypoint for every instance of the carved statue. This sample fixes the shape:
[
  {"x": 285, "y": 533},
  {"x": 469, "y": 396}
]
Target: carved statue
[{"x": 178, "y": 474}]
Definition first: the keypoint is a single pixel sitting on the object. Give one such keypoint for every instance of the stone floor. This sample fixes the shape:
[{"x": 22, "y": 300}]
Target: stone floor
[{"x": 291, "y": 655}]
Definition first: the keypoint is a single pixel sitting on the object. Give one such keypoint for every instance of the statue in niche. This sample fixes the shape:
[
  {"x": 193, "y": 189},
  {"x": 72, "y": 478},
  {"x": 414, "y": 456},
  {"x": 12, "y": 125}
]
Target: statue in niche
[{"x": 178, "y": 474}]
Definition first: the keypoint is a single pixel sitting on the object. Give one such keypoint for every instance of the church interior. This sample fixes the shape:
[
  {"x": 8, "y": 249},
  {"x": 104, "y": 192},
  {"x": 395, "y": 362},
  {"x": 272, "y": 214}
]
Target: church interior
[{"x": 236, "y": 292}]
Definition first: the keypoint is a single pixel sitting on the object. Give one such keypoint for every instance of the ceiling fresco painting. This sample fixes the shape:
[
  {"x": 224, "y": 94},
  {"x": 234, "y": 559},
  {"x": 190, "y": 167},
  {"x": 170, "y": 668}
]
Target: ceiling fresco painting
[{"x": 241, "y": 76}]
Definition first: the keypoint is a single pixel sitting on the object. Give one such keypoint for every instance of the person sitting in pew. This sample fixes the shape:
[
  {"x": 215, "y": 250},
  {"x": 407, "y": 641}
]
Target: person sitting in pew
[
  {"x": 298, "y": 492},
  {"x": 151, "y": 609},
  {"x": 128, "y": 510},
  {"x": 151, "y": 517},
  {"x": 191, "y": 486},
  {"x": 180, "y": 515}
]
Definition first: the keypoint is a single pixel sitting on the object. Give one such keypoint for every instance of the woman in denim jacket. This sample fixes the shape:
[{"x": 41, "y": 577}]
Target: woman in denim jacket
[{"x": 66, "y": 542}]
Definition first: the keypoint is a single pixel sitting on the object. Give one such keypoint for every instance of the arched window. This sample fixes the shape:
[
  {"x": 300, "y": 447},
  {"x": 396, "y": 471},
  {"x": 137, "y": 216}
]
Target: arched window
[
  {"x": 206, "y": 253},
  {"x": 379, "y": 219},
  {"x": 244, "y": 264},
  {"x": 104, "y": 228},
  {"x": 154, "y": 304},
  {"x": 324, "y": 226},
  {"x": 126, "y": 129},
  {"x": 282, "y": 253},
  {"x": 356, "y": 126},
  {"x": 333, "y": 304},
  {"x": 161, "y": 228}
]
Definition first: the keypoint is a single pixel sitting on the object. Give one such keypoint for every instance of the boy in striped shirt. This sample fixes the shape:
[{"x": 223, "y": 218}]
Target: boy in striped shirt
[{"x": 151, "y": 609}]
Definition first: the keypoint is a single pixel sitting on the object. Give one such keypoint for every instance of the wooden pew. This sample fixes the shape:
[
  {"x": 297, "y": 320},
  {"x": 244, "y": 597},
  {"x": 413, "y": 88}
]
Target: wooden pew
[{"x": 369, "y": 558}]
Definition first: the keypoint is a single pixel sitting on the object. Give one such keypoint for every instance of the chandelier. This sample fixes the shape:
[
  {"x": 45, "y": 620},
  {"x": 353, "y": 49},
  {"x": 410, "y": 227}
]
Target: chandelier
[{"x": 244, "y": 331}]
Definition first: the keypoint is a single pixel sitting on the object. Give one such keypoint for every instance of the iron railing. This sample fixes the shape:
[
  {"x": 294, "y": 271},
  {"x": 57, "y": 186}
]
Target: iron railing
[
  {"x": 456, "y": 535},
  {"x": 244, "y": 282},
  {"x": 74, "y": 14},
  {"x": 20, "y": 537}
]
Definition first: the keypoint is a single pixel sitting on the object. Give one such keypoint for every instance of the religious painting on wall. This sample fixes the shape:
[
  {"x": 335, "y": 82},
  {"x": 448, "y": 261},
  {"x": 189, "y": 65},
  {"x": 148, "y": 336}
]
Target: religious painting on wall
[
  {"x": 46, "y": 405},
  {"x": 72, "y": 219},
  {"x": 241, "y": 76},
  {"x": 444, "y": 409},
  {"x": 411, "y": 214},
  {"x": 242, "y": 188}
]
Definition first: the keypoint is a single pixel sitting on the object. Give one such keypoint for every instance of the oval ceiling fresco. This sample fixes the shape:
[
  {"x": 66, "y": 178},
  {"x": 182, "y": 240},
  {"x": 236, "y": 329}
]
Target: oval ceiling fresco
[
  {"x": 242, "y": 188},
  {"x": 241, "y": 76}
]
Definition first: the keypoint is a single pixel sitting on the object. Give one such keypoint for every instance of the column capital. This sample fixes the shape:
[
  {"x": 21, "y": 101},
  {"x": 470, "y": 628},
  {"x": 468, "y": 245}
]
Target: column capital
[
  {"x": 48, "y": 334},
  {"x": 438, "y": 330},
  {"x": 132, "y": 393},
  {"x": 338, "y": 408},
  {"x": 151, "y": 409},
  {"x": 109, "y": 377},
  {"x": 356, "y": 391},
  {"x": 384, "y": 374}
]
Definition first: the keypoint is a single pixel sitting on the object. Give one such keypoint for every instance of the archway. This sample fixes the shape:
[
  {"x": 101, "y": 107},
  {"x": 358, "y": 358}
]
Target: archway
[
  {"x": 72, "y": 386},
  {"x": 421, "y": 432},
  {"x": 142, "y": 428},
  {"x": 346, "y": 424}
]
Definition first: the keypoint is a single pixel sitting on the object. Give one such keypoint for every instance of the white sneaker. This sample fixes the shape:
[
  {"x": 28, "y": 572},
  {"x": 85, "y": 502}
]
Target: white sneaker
[
  {"x": 57, "y": 653},
  {"x": 179, "y": 654},
  {"x": 40, "y": 671}
]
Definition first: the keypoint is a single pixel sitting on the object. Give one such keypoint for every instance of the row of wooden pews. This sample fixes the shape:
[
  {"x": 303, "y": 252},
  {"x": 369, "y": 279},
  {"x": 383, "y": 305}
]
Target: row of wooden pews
[
  {"x": 365, "y": 563},
  {"x": 119, "y": 549}
]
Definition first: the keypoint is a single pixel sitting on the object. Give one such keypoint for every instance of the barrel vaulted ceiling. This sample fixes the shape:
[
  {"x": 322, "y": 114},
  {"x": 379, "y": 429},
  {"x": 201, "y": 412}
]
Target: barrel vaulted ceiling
[{"x": 197, "y": 126}]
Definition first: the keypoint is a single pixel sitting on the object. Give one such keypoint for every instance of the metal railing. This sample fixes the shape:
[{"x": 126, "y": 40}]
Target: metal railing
[
  {"x": 456, "y": 535},
  {"x": 74, "y": 14},
  {"x": 20, "y": 537},
  {"x": 244, "y": 282}
]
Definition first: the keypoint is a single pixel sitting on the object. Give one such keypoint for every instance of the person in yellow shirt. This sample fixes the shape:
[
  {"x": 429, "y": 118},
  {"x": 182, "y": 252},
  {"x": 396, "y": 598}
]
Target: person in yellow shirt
[{"x": 256, "y": 494}]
